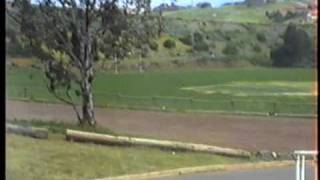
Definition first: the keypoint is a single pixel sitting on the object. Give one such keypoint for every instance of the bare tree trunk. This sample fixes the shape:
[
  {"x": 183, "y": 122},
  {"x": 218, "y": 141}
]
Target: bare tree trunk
[
  {"x": 87, "y": 101},
  {"x": 86, "y": 86}
]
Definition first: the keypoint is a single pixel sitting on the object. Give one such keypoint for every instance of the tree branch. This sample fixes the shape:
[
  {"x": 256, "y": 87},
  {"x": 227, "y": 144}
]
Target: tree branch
[{"x": 70, "y": 102}]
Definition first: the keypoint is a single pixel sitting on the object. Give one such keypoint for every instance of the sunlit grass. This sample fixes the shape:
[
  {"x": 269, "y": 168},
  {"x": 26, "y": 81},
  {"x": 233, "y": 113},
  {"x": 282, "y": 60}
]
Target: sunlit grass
[{"x": 55, "y": 158}]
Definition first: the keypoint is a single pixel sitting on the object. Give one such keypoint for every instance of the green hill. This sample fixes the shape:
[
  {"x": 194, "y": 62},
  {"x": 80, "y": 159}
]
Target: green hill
[
  {"x": 240, "y": 13},
  {"x": 229, "y": 36}
]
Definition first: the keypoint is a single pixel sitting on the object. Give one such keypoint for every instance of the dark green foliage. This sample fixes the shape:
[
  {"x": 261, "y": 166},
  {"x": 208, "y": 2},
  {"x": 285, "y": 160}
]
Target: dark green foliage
[
  {"x": 230, "y": 49},
  {"x": 201, "y": 46},
  {"x": 186, "y": 40},
  {"x": 177, "y": 63},
  {"x": 199, "y": 43},
  {"x": 275, "y": 16},
  {"x": 296, "y": 49},
  {"x": 153, "y": 45},
  {"x": 261, "y": 37},
  {"x": 256, "y": 48},
  {"x": 169, "y": 44}
]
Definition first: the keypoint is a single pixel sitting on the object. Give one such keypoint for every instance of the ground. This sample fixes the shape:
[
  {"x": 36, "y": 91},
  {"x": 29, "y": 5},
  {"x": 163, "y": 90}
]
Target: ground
[
  {"x": 28, "y": 158},
  {"x": 246, "y": 132},
  {"x": 284, "y": 173}
]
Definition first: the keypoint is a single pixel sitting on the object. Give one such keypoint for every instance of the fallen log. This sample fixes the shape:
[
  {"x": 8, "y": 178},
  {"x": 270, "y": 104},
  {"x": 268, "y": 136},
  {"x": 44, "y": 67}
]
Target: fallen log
[
  {"x": 40, "y": 133},
  {"x": 80, "y": 136}
]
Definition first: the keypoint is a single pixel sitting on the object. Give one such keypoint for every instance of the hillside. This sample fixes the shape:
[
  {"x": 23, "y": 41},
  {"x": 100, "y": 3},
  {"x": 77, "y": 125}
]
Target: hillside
[
  {"x": 234, "y": 36},
  {"x": 239, "y": 13}
]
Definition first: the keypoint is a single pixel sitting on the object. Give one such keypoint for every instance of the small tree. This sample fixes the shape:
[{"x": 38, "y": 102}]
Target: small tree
[
  {"x": 70, "y": 36},
  {"x": 169, "y": 44},
  {"x": 230, "y": 49},
  {"x": 261, "y": 37},
  {"x": 295, "y": 50}
]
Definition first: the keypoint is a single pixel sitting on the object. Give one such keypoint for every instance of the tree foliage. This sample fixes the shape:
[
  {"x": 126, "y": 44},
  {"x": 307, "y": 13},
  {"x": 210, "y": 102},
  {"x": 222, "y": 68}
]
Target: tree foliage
[
  {"x": 169, "y": 44},
  {"x": 296, "y": 49},
  {"x": 70, "y": 37}
]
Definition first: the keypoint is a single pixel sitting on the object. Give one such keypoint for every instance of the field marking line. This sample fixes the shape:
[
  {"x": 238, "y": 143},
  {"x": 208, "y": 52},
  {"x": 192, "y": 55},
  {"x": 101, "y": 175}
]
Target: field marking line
[{"x": 190, "y": 170}]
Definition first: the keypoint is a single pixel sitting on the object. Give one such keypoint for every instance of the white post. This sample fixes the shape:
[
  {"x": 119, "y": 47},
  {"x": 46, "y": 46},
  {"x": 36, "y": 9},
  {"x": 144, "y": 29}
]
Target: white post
[
  {"x": 303, "y": 168},
  {"x": 301, "y": 163},
  {"x": 298, "y": 168},
  {"x": 115, "y": 64}
]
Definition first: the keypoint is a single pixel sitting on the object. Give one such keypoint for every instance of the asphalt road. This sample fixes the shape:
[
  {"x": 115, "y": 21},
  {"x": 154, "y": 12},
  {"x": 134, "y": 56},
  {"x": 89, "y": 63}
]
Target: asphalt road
[{"x": 287, "y": 173}]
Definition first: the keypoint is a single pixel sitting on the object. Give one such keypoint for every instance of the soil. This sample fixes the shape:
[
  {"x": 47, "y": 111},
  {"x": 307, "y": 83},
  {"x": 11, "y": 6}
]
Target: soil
[{"x": 251, "y": 133}]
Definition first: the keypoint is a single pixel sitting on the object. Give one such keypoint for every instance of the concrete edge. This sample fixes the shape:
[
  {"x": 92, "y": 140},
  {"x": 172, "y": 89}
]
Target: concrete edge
[{"x": 189, "y": 170}]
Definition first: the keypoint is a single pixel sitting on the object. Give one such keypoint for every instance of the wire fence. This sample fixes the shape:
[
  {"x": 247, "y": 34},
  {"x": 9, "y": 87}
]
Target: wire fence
[{"x": 107, "y": 99}]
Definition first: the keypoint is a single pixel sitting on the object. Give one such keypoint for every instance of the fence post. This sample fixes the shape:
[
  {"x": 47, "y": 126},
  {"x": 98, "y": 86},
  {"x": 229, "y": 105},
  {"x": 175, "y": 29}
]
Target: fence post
[
  {"x": 298, "y": 168},
  {"x": 303, "y": 168}
]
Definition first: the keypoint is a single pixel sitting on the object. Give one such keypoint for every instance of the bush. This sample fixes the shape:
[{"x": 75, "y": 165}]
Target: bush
[
  {"x": 201, "y": 46},
  {"x": 199, "y": 43},
  {"x": 153, "y": 45},
  {"x": 177, "y": 63},
  {"x": 186, "y": 40},
  {"x": 230, "y": 49},
  {"x": 202, "y": 61},
  {"x": 155, "y": 64},
  {"x": 169, "y": 44},
  {"x": 256, "y": 48},
  {"x": 261, "y": 37}
]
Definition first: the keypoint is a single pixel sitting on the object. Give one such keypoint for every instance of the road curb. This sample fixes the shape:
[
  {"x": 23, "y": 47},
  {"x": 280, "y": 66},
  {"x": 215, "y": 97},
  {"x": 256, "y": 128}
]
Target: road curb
[{"x": 189, "y": 170}]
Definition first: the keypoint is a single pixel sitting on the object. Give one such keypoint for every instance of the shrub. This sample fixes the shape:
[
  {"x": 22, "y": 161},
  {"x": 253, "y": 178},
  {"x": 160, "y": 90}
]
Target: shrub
[
  {"x": 153, "y": 45},
  {"x": 256, "y": 48},
  {"x": 169, "y": 44},
  {"x": 261, "y": 37},
  {"x": 202, "y": 61},
  {"x": 201, "y": 46},
  {"x": 199, "y": 42},
  {"x": 177, "y": 63},
  {"x": 155, "y": 64},
  {"x": 230, "y": 49},
  {"x": 186, "y": 40}
]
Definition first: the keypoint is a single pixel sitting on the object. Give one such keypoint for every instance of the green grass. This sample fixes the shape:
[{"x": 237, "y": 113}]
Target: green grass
[
  {"x": 55, "y": 158},
  {"x": 272, "y": 88},
  {"x": 150, "y": 89}
]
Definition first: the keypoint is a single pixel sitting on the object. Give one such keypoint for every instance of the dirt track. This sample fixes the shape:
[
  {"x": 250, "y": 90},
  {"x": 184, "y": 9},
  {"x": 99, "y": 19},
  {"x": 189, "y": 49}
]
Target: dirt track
[{"x": 245, "y": 132}]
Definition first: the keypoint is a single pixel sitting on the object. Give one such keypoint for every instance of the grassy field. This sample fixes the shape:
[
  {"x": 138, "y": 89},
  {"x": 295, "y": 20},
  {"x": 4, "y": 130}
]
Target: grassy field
[
  {"x": 250, "y": 89},
  {"x": 55, "y": 158}
]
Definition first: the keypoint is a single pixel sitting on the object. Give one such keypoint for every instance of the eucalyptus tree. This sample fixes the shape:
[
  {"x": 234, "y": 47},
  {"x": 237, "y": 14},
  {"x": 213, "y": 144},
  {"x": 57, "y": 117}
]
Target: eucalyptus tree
[{"x": 71, "y": 37}]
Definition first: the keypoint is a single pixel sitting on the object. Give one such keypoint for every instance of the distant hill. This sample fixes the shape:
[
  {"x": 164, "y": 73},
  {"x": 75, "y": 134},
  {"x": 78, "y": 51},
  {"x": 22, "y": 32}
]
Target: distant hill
[
  {"x": 166, "y": 7},
  {"x": 239, "y": 13}
]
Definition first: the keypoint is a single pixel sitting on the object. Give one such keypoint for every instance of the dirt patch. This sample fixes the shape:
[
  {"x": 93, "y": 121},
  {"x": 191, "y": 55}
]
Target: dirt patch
[{"x": 245, "y": 132}]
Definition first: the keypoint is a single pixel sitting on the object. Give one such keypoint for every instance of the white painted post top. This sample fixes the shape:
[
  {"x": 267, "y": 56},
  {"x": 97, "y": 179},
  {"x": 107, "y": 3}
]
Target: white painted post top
[{"x": 302, "y": 152}]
